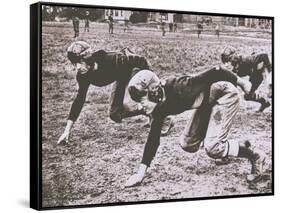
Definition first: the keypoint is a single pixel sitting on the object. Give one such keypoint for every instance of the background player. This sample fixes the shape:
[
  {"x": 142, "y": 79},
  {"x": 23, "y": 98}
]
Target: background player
[
  {"x": 217, "y": 30},
  {"x": 256, "y": 66},
  {"x": 75, "y": 22},
  {"x": 87, "y": 22},
  {"x": 199, "y": 29},
  {"x": 110, "y": 24}
]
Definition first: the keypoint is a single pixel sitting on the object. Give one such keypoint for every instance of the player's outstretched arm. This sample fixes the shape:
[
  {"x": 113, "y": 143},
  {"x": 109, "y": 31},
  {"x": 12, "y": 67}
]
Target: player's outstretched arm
[
  {"x": 76, "y": 108},
  {"x": 150, "y": 149},
  {"x": 222, "y": 74}
]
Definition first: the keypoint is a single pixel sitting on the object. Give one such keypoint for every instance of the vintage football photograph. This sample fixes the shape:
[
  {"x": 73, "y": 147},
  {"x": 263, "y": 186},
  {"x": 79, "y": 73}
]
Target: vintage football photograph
[{"x": 142, "y": 105}]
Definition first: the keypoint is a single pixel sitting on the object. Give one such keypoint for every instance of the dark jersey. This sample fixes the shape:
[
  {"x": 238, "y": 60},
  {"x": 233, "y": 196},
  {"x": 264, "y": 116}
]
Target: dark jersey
[
  {"x": 248, "y": 65},
  {"x": 105, "y": 68},
  {"x": 180, "y": 96}
]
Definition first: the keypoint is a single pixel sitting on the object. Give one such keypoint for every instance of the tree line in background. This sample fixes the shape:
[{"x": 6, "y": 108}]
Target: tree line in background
[
  {"x": 57, "y": 13},
  {"x": 51, "y": 13}
]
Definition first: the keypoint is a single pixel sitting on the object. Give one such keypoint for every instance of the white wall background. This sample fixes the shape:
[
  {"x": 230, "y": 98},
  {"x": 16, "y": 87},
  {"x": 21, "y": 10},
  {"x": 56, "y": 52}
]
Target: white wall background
[{"x": 14, "y": 107}]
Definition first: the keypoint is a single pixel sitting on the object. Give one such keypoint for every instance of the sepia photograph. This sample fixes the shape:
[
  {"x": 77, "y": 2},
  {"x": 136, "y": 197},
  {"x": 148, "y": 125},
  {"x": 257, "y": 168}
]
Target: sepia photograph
[{"x": 141, "y": 105}]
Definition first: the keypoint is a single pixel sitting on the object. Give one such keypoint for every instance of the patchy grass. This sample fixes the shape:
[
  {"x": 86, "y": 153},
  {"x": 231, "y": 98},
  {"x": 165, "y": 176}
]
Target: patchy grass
[{"x": 103, "y": 154}]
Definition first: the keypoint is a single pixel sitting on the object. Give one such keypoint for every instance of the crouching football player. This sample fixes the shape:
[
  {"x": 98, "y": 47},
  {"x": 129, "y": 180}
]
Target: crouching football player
[
  {"x": 256, "y": 66},
  {"x": 214, "y": 95},
  {"x": 101, "y": 68}
]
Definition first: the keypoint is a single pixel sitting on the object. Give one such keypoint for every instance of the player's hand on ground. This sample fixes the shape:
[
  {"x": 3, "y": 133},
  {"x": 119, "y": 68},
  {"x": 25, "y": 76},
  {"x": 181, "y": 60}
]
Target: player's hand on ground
[
  {"x": 64, "y": 138},
  {"x": 134, "y": 180},
  {"x": 137, "y": 178}
]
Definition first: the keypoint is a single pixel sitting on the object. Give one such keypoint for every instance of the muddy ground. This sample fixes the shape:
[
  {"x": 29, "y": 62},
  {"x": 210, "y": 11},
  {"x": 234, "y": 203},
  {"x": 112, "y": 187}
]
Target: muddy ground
[{"x": 103, "y": 154}]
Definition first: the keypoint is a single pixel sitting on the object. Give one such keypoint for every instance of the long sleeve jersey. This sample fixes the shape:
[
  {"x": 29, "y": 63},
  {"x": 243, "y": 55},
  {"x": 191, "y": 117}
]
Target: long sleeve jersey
[
  {"x": 248, "y": 65},
  {"x": 180, "y": 95}
]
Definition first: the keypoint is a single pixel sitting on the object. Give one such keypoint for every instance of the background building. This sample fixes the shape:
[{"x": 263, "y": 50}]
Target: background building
[
  {"x": 161, "y": 17},
  {"x": 118, "y": 15}
]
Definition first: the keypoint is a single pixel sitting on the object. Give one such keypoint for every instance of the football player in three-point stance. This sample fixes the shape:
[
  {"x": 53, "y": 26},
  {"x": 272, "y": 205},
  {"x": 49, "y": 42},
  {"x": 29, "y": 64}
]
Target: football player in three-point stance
[
  {"x": 214, "y": 96},
  {"x": 256, "y": 66},
  {"x": 101, "y": 68}
]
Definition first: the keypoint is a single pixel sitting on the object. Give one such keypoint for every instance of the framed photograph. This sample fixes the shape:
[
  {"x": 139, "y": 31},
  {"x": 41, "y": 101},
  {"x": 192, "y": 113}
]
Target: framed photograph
[{"x": 133, "y": 105}]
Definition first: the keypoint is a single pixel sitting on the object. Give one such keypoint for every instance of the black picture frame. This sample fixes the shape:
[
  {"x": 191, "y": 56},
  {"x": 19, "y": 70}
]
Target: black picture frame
[{"x": 36, "y": 104}]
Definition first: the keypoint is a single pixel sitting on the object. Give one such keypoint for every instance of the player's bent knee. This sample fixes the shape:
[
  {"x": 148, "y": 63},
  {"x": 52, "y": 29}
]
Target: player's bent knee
[
  {"x": 233, "y": 90},
  {"x": 190, "y": 145},
  {"x": 215, "y": 150}
]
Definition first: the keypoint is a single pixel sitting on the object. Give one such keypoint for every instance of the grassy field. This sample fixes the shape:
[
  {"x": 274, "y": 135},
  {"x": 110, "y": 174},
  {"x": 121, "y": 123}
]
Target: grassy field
[{"x": 103, "y": 154}]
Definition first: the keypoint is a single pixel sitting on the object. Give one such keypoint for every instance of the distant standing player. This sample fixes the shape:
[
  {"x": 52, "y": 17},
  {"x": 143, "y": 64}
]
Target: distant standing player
[
  {"x": 217, "y": 29},
  {"x": 110, "y": 24},
  {"x": 256, "y": 66},
  {"x": 214, "y": 96},
  {"x": 75, "y": 21},
  {"x": 171, "y": 27},
  {"x": 87, "y": 22},
  {"x": 162, "y": 26},
  {"x": 126, "y": 25},
  {"x": 199, "y": 29},
  {"x": 175, "y": 27}
]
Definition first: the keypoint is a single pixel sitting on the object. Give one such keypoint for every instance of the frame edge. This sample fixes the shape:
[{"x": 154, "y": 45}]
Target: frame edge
[{"x": 35, "y": 180}]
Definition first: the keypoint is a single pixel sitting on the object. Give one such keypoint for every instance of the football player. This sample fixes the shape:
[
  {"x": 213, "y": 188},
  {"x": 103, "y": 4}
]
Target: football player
[
  {"x": 101, "y": 68},
  {"x": 256, "y": 66},
  {"x": 214, "y": 96}
]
